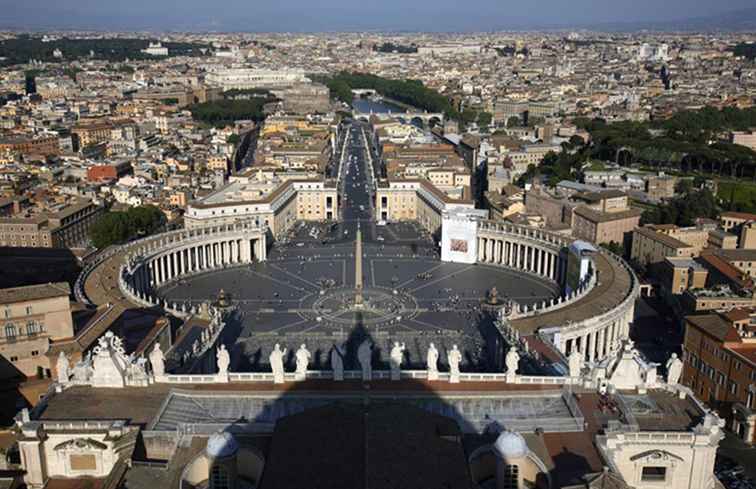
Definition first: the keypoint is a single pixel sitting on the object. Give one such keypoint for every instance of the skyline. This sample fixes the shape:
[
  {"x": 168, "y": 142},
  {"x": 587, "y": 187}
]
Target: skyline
[{"x": 390, "y": 16}]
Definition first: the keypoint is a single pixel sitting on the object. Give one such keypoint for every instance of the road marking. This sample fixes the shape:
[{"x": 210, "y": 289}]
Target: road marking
[
  {"x": 441, "y": 278},
  {"x": 316, "y": 286}
]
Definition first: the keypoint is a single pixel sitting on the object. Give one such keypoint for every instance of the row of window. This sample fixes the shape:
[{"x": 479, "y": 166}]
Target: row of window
[
  {"x": 7, "y": 311},
  {"x": 31, "y": 328},
  {"x": 14, "y": 358}
]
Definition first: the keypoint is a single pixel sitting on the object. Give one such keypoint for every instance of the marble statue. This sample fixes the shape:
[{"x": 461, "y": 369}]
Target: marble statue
[
  {"x": 109, "y": 364},
  {"x": 512, "y": 360},
  {"x": 364, "y": 356},
  {"x": 303, "y": 359},
  {"x": 63, "y": 368},
  {"x": 575, "y": 363},
  {"x": 223, "y": 360},
  {"x": 652, "y": 377},
  {"x": 431, "y": 362},
  {"x": 454, "y": 357},
  {"x": 674, "y": 369},
  {"x": 82, "y": 371},
  {"x": 137, "y": 373},
  {"x": 396, "y": 357},
  {"x": 337, "y": 363},
  {"x": 276, "y": 363},
  {"x": 157, "y": 361}
]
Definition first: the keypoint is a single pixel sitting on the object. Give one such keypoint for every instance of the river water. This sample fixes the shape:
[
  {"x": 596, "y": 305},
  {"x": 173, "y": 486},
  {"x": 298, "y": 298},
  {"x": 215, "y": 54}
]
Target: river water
[{"x": 365, "y": 105}]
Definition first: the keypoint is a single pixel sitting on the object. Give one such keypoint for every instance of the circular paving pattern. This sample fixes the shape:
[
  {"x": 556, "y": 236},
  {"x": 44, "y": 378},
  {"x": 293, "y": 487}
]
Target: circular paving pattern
[{"x": 380, "y": 307}]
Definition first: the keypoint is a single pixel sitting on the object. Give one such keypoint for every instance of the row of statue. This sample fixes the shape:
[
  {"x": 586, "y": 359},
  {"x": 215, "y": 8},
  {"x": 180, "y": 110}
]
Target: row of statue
[
  {"x": 109, "y": 366},
  {"x": 364, "y": 356}
]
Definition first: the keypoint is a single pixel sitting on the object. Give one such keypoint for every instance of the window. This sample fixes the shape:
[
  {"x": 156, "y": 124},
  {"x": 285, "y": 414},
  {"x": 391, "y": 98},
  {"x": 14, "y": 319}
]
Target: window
[
  {"x": 28, "y": 310},
  {"x": 218, "y": 478},
  {"x": 511, "y": 476},
  {"x": 32, "y": 327},
  {"x": 733, "y": 388},
  {"x": 654, "y": 474},
  {"x": 10, "y": 331}
]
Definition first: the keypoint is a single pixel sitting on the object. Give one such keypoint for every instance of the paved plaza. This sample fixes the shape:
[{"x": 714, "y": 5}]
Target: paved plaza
[{"x": 305, "y": 292}]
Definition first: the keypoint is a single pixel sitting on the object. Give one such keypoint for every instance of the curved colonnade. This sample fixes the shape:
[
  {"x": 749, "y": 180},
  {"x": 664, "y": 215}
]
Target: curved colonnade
[
  {"x": 145, "y": 265},
  {"x": 154, "y": 264},
  {"x": 594, "y": 318}
]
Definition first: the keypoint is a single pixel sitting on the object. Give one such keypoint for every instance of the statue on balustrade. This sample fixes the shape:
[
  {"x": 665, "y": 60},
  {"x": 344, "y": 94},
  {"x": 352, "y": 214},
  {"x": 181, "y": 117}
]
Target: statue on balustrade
[
  {"x": 223, "y": 361},
  {"x": 157, "y": 361},
  {"x": 431, "y": 362},
  {"x": 674, "y": 369},
  {"x": 303, "y": 359},
  {"x": 364, "y": 355},
  {"x": 337, "y": 363},
  {"x": 63, "y": 368},
  {"x": 575, "y": 362},
  {"x": 454, "y": 358},
  {"x": 512, "y": 360},
  {"x": 396, "y": 358},
  {"x": 276, "y": 360}
]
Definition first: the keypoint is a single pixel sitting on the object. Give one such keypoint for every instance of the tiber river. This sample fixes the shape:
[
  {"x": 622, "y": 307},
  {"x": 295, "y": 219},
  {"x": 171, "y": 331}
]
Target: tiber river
[{"x": 365, "y": 105}]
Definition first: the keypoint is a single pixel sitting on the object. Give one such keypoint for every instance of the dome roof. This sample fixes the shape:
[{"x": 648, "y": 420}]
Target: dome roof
[
  {"x": 221, "y": 445},
  {"x": 511, "y": 445}
]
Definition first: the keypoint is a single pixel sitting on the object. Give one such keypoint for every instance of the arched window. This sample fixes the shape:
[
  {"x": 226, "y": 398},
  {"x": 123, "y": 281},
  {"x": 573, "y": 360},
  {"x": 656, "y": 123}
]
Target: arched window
[
  {"x": 219, "y": 478},
  {"x": 511, "y": 476},
  {"x": 32, "y": 327},
  {"x": 10, "y": 330}
]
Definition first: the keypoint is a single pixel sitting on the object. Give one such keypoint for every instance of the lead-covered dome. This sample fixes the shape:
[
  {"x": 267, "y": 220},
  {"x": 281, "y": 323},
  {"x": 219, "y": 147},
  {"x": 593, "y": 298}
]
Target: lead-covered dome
[
  {"x": 510, "y": 445},
  {"x": 221, "y": 445}
]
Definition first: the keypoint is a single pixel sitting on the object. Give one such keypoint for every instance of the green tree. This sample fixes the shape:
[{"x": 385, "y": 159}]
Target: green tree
[
  {"x": 119, "y": 227},
  {"x": 484, "y": 119}
]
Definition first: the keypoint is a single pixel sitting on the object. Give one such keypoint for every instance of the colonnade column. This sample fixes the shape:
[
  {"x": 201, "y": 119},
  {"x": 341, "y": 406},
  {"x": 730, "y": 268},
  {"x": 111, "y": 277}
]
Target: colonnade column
[{"x": 591, "y": 346}]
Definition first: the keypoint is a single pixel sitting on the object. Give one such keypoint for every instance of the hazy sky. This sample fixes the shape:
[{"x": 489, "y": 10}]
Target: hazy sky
[{"x": 347, "y": 15}]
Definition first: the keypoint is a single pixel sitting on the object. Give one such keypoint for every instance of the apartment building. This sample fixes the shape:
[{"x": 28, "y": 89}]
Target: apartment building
[
  {"x": 729, "y": 220},
  {"x": 419, "y": 200},
  {"x": 65, "y": 226},
  {"x": 273, "y": 203},
  {"x": 719, "y": 354},
  {"x": 744, "y": 138},
  {"x": 31, "y": 318},
  {"x": 650, "y": 246},
  {"x": 42, "y": 145}
]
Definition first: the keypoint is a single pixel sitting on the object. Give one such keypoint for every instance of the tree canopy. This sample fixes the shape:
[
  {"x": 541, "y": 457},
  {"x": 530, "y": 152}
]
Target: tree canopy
[
  {"x": 21, "y": 49},
  {"x": 691, "y": 140},
  {"x": 120, "y": 227},
  {"x": 224, "y": 112},
  {"x": 410, "y": 92},
  {"x": 684, "y": 209}
]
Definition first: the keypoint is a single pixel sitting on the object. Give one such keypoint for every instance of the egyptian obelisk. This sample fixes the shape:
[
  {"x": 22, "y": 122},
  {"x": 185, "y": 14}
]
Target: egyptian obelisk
[{"x": 358, "y": 269}]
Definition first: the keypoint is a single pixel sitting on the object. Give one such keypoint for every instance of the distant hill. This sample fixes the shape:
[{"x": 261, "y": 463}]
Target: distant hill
[{"x": 736, "y": 20}]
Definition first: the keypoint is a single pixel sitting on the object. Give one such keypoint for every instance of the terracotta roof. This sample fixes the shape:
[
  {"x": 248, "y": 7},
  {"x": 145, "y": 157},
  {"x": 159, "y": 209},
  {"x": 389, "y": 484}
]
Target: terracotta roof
[
  {"x": 739, "y": 215},
  {"x": 715, "y": 326},
  {"x": 598, "y": 216},
  {"x": 661, "y": 238},
  {"x": 34, "y": 292}
]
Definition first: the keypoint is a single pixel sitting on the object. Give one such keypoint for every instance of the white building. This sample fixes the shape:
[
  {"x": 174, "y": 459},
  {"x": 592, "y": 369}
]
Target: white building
[
  {"x": 246, "y": 78},
  {"x": 156, "y": 49}
]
